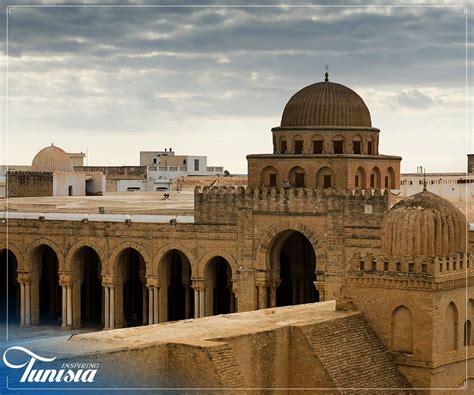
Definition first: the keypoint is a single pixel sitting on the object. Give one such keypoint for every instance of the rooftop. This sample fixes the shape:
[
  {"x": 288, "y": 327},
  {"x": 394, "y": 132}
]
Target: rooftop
[{"x": 149, "y": 203}]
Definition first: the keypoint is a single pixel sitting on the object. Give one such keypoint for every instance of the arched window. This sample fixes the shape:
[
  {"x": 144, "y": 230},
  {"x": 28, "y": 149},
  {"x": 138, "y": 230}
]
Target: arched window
[
  {"x": 402, "y": 330},
  {"x": 338, "y": 144},
  {"x": 370, "y": 146},
  {"x": 318, "y": 144},
  {"x": 357, "y": 145},
  {"x": 389, "y": 181},
  {"x": 360, "y": 178},
  {"x": 467, "y": 333},
  {"x": 451, "y": 325},
  {"x": 325, "y": 178},
  {"x": 269, "y": 177},
  {"x": 70, "y": 190},
  {"x": 375, "y": 178},
  {"x": 298, "y": 144},
  {"x": 297, "y": 177},
  {"x": 283, "y": 145}
]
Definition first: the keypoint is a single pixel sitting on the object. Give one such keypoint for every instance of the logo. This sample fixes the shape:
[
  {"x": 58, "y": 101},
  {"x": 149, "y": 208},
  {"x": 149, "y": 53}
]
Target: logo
[{"x": 67, "y": 373}]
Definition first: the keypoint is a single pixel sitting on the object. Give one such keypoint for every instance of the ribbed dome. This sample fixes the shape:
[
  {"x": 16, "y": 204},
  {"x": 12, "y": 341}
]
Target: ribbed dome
[
  {"x": 326, "y": 104},
  {"x": 424, "y": 224},
  {"x": 52, "y": 159}
]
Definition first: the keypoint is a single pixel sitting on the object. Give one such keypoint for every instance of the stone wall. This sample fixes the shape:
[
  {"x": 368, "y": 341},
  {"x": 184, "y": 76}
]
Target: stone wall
[{"x": 27, "y": 183}]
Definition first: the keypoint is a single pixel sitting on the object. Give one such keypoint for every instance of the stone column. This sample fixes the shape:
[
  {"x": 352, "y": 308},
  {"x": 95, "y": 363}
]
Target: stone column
[
  {"x": 112, "y": 307},
  {"x": 25, "y": 299},
  {"x": 145, "y": 306},
  {"x": 202, "y": 301},
  {"x": 22, "y": 304},
  {"x": 273, "y": 292},
  {"x": 64, "y": 307},
  {"x": 106, "y": 307},
  {"x": 69, "y": 305},
  {"x": 199, "y": 297},
  {"x": 262, "y": 287},
  {"x": 28, "y": 303},
  {"x": 196, "y": 303},
  {"x": 151, "y": 306},
  {"x": 66, "y": 302},
  {"x": 156, "y": 305}
]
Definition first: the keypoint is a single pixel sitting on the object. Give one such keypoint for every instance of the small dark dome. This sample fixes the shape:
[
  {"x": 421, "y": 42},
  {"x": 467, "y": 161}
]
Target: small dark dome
[
  {"x": 424, "y": 224},
  {"x": 326, "y": 104}
]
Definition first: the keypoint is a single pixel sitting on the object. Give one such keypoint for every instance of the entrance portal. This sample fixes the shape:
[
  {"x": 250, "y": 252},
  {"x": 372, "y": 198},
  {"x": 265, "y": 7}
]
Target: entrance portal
[
  {"x": 294, "y": 264},
  {"x": 50, "y": 297}
]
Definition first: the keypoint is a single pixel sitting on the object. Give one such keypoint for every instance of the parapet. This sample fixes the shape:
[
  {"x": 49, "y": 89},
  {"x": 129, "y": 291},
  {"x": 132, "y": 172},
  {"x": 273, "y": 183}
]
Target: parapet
[
  {"x": 418, "y": 272},
  {"x": 220, "y": 204}
]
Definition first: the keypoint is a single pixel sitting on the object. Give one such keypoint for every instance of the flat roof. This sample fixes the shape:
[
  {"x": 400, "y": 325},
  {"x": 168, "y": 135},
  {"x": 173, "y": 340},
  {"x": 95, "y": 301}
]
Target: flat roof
[{"x": 128, "y": 203}]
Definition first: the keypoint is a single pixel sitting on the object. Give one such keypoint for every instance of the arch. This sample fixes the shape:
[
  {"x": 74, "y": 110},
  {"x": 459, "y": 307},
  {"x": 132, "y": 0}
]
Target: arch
[
  {"x": 292, "y": 269},
  {"x": 389, "y": 179},
  {"x": 360, "y": 178},
  {"x": 205, "y": 259},
  {"x": 131, "y": 296},
  {"x": 262, "y": 258},
  {"x": 45, "y": 286},
  {"x": 325, "y": 178},
  {"x": 112, "y": 261},
  {"x": 76, "y": 247},
  {"x": 375, "y": 181},
  {"x": 70, "y": 190},
  {"x": 15, "y": 251},
  {"x": 402, "y": 330},
  {"x": 338, "y": 142},
  {"x": 451, "y": 325},
  {"x": 31, "y": 249},
  {"x": 86, "y": 268},
  {"x": 357, "y": 144},
  {"x": 317, "y": 144},
  {"x": 163, "y": 251},
  {"x": 9, "y": 287},
  {"x": 174, "y": 280},
  {"x": 467, "y": 333},
  {"x": 297, "y": 143},
  {"x": 269, "y": 177},
  {"x": 297, "y": 177},
  {"x": 218, "y": 276}
]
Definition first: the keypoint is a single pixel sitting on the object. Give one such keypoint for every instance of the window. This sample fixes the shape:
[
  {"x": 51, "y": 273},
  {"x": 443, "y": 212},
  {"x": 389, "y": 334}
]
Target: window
[
  {"x": 338, "y": 147},
  {"x": 196, "y": 164},
  {"x": 284, "y": 147},
  {"x": 184, "y": 161},
  {"x": 272, "y": 182},
  {"x": 467, "y": 333},
  {"x": 317, "y": 147},
  {"x": 299, "y": 180},
  {"x": 327, "y": 181},
  {"x": 154, "y": 160},
  {"x": 357, "y": 181},
  {"x": 298, "y": 146},
  {"x": 356, "y": 147},
  {"x": 386, "y": 181},
  {"x": 370, "y": 146},
  {"x": 372, "y": 180}
]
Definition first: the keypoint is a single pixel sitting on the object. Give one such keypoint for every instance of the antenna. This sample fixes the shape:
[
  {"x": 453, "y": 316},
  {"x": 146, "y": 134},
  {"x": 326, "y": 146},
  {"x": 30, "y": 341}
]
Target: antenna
[{"x": 326, "y": 75}]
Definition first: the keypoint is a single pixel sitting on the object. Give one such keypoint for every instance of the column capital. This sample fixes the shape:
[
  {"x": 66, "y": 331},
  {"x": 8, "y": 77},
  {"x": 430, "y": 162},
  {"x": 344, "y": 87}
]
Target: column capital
[
  {"x": 261, "y": 283},
  {"x": 108, "y": 280},
  {"x": 65, "y": 279},
  {"x": 152, "y": 282},
  {"x": 197, "y": 283},
  {"x": 24, "y": 277},
  {"x": 275, "y": 283}
]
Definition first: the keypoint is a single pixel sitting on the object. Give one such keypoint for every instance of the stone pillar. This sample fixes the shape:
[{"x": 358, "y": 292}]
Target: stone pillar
[
  {"x": 25, "y": 299},
  {"x": 199, "y": 297},
  {"x": 273, "y": 292},
  {"x": 69, "y": 305},
  {"x": 106, "y": 307},
  {"x": 156, "y": 305},
  {"x": 112, "y": 307},
  {"x": 196, "y": 303},
  {"x": 64, "y": 307},
  {"x": 233, "y": 301},
  {"x": 66, "y": 302},
  {"x": 145, "y": 305},
  {"x": 202, "y": 301},
  {"x": 262, "y": 288},
  {"x": 151, "y": 306}
]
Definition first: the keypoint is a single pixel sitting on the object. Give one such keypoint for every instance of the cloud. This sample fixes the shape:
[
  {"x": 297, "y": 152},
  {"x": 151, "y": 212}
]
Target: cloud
[{"x": 414, "y": 99}]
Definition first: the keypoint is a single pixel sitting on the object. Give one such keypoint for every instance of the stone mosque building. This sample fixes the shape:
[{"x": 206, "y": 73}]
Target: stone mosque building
[{"x": 313, "y": 225}]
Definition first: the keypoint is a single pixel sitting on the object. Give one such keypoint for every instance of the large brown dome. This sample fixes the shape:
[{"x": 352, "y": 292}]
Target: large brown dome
[
  {"x": 52, "y": 159},
  {"x": 424, "y": 224},
  {"x": 326, "y": 104}
]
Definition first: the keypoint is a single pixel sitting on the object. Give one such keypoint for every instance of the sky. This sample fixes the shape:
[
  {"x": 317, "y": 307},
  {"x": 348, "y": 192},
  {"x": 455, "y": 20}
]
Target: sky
[{"x": 214, "y": 80}]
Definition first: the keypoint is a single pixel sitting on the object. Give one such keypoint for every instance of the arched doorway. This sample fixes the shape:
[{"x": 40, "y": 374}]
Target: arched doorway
[
  {"x": 46, "y": 269},
  {"x": 87, "y": 275},
  {"x": 176, "y": 291},
  {"x": 219, "y": 294},
  {"x": 9, "y": 289},
  {"x": 293, "y": 265},
  {"x": 132, "y": 295}
]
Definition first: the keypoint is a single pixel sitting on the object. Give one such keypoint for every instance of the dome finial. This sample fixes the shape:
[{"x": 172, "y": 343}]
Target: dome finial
[
  {"x": 424, "y": 180},
  {"x": 326, "y": 79}
]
